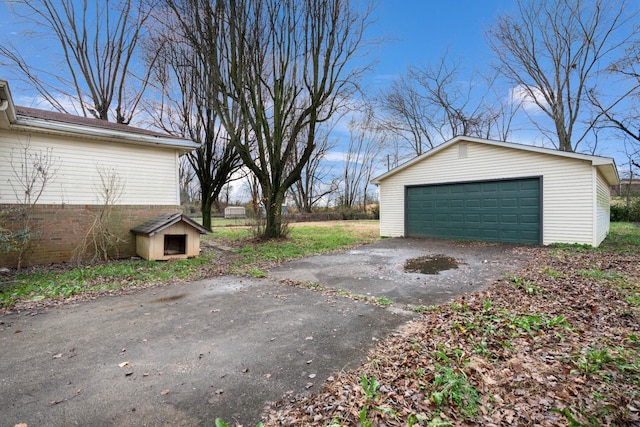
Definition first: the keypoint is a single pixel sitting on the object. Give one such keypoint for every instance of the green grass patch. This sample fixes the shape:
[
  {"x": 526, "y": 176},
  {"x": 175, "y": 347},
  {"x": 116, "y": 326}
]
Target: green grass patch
[
  {"x": 302, "y": 241},
  {"x": 623, "y": 237},
  {"x": 596, "y": 273},
  {"x": 553, "y": 273},
  {"x": 251, "y": 254},
  {"x": 115, "y": 275}
]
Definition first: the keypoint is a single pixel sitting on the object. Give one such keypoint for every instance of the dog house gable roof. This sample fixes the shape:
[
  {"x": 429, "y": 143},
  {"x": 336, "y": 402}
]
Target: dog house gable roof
[{"x": 164, "y": 221}]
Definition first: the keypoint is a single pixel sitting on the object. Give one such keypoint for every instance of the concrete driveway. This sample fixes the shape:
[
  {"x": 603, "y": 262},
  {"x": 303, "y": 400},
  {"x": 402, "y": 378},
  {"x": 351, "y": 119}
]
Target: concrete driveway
[
  {"x": 378, "y": 269},
  {"x": 184, "y": 355}
]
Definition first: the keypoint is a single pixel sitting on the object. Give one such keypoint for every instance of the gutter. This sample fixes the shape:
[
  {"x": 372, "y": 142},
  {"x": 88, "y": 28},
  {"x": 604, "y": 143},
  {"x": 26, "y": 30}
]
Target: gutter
[{"x": 40, "y": 125}]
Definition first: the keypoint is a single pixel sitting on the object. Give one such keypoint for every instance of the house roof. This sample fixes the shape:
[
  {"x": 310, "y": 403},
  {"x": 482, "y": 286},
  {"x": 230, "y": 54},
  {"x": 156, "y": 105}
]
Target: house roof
[
  {"x": 43, "y": 121},
  {"x": 605, "y": 165},
  {"x": 164, "y": 221}
]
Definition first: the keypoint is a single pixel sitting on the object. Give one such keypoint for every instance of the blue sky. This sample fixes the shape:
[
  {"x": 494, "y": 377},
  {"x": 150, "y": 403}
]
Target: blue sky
[{"x": 419, "y": 32}]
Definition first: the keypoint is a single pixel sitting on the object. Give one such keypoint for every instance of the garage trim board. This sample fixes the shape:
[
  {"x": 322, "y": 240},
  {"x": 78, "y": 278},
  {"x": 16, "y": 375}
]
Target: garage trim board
[{"x": 505, "y": 210}]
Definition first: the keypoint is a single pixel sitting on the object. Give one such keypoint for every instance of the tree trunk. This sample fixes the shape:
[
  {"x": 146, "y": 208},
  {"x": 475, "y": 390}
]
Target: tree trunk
[
  {"x": 205, "y": 208},
  {"x": 273, "y": 208}
]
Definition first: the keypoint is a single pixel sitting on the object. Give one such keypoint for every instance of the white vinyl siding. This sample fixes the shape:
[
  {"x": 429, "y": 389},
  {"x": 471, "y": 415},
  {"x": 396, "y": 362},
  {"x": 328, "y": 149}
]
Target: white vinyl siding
[
  {"x": 149, "y": 175},
  {"x": 567, "y": 186},
  {"x": 602, "y": 208}
]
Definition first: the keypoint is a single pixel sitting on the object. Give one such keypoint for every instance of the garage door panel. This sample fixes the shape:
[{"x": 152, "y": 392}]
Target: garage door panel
[
  {"x": 457, "y": 203},
  {"x": 508, "y": 202},
  {"x": 529, "y": 202},
  {"x": 509, "y": 219},
  {"x": 530, "y": 219},
  {"x": 490, "y": 219},
  {"x": 506, "y": 211},
  {"x": 490, "y": 234},
  {"x": 472, "y": 188},
  {"x": 490, "y": 203},
  {"x": 472, "y": 203},
  {"x": 472, "y": 219},
  {"x": 530, "y": 184},
  {"x": 509, "y": 186}
]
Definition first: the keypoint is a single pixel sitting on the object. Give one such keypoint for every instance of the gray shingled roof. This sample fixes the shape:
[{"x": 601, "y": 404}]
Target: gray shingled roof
[
  {"x": 84, "y": 121},
  {"x": 163, "y": 221}
]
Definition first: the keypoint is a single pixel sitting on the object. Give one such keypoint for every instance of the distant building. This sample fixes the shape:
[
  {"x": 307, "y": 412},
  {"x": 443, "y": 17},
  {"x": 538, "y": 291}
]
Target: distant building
[
  {"x": 235, "y": 212},
  {"x": 626, "y": 186}
]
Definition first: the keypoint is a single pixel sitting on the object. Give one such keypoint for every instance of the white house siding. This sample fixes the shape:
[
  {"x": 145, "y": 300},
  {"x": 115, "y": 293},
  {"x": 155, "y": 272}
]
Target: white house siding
[
  {"x": 77, "y": 181},
  {"x": 602, "y": 208},
  {"x": 567, "y": 186}
]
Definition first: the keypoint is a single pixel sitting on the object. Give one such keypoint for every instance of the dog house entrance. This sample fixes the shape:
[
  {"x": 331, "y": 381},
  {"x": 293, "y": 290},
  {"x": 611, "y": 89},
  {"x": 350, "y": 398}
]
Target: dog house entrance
[{"x": 175, "y": 244}]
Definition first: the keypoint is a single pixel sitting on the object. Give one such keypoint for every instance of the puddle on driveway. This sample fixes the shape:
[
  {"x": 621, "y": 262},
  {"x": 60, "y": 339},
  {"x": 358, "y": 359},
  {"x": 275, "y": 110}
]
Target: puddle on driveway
[{"x": 430, "y": 264}]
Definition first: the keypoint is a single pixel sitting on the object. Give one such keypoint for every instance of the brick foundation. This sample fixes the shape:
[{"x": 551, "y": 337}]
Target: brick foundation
[{"x": 62, "y": 228}]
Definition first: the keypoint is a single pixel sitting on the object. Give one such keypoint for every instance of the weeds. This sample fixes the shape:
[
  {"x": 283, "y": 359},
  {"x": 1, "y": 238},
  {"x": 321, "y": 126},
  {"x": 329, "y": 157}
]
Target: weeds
[
  {"x": 370, "y": 387},
  {"x": 425, "y": 308},
  {"x": 526, "y": 285},
  {"x": 453, "y": 387},
  {"x": 592, "y": 360}
]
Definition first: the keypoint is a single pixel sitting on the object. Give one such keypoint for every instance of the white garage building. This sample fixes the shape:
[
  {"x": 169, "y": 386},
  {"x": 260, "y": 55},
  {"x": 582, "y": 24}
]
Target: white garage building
[{"x": 476, "y": 189}]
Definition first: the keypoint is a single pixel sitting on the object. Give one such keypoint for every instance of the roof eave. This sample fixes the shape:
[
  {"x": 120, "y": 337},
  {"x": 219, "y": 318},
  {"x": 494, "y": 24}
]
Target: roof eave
[
  {"x": 39, "y": 125},
  {"x": 602, "y": 163},
  {"x": 7, "y": 108}
]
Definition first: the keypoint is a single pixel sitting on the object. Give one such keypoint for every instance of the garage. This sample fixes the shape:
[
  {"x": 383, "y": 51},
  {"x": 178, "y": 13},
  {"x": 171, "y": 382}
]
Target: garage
[
  {"x": 478, "y": 189},
  {"x": 497, "y": 211}
]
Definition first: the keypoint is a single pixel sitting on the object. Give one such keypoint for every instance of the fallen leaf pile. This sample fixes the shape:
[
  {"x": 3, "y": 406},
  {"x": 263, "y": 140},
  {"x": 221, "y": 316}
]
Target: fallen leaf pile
[{"x": 558, "y": 343}]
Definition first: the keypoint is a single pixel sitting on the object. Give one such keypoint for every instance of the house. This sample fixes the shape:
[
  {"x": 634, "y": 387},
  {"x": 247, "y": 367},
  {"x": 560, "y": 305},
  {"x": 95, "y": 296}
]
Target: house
[
  {"x": 627, "y": 186},
  {"x": 168, "y": 236},
  {"x": 476, "y": 189},
  {"x": 88, "y": 159}
]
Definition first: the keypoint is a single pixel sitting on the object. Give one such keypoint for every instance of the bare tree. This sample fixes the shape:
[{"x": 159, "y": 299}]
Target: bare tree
[
  {"x": 99, "y": 242},
  {"x": 366, "y": 143},
  {"x": 314, "y": 184},
  {"x": 186, "y": 175},
  {"x": 288, "y": 64},
  {"x": 551, "y": 50},
  {"x": 32, "y": 172},
  {"x": 619, "y": 108},
  {"x": 408, "y": 115},
  {"x": 98, "y": 42},
  {"x": 431, "y": 104},
  {"x": 185, "y": 73}
]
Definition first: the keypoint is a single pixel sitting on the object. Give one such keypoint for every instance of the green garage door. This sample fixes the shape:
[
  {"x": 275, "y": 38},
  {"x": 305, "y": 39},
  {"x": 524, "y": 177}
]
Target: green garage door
[{"x": 496, "y": 211}]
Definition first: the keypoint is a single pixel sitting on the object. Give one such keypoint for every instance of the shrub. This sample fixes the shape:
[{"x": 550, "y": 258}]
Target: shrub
[{"x": 626, "y": 213}]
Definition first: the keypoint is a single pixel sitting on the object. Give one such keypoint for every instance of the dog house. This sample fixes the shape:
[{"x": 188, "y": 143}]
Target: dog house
[{"x": 168, "y": 236}]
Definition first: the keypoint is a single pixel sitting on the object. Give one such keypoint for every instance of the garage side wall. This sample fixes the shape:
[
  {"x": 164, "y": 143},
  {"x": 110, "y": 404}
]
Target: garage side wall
[
  {"x": 567, "y": 186},
  {"x": 603, "y": 208}
]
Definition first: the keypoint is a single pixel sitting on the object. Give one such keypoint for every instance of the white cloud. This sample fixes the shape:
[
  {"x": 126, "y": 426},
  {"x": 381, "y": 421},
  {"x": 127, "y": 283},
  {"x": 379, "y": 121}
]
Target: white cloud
[{"x": 521, "y": 95}]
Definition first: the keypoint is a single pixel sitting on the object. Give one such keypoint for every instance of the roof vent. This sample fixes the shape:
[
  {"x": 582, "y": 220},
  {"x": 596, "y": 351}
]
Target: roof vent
[{"x": 462, "y": 150}]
